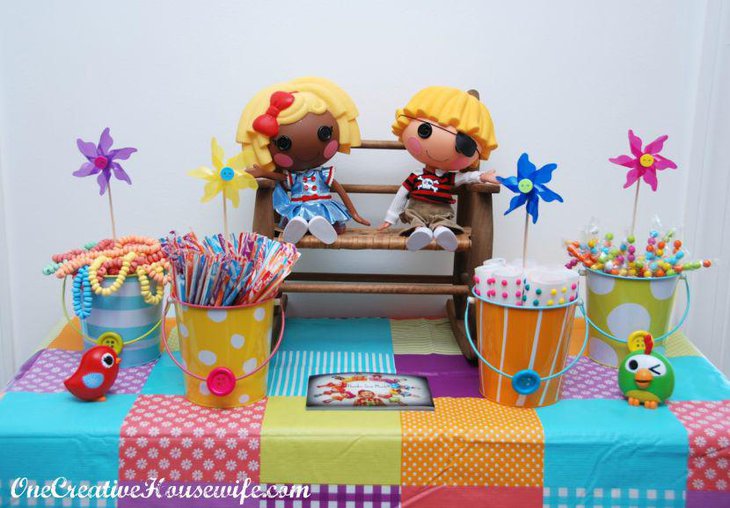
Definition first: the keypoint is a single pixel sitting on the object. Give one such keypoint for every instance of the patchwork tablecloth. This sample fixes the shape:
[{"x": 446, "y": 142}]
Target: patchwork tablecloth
[{"x": 591, "y": 449}]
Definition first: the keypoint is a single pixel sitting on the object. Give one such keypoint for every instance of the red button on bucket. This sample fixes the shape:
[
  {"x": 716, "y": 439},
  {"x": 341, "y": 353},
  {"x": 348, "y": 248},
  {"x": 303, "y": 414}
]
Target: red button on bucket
[{"x": 221, "y": 381}]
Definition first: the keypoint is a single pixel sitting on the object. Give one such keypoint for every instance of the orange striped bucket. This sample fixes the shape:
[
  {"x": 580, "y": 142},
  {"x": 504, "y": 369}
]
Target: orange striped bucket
[{"x": 522, "y": 351}]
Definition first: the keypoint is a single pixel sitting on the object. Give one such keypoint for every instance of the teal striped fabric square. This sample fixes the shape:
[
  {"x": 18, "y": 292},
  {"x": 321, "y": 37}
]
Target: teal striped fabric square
[{"x": 290, "y": 370}]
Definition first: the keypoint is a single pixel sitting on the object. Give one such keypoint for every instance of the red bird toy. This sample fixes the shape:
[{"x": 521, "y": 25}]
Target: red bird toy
[{"x": 96, "y": 374}]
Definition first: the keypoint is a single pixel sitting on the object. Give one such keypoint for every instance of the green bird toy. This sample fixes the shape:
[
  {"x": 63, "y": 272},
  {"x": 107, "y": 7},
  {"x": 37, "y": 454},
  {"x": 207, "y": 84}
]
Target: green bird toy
[{"x": 646, "y": 377}]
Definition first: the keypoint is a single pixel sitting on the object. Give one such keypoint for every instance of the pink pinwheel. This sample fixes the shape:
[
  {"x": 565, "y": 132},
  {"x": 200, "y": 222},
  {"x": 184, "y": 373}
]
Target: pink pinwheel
[
  {"x": 101, "y": 160},
  {"x": 645, "y": 162}
]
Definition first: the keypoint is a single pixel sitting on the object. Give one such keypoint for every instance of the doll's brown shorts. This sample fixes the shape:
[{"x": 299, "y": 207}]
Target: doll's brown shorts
[{"x": 431, "y": 215}]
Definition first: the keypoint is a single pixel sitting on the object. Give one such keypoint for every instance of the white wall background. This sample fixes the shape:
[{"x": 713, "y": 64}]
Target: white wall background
[{"x": 564, "y": 81}]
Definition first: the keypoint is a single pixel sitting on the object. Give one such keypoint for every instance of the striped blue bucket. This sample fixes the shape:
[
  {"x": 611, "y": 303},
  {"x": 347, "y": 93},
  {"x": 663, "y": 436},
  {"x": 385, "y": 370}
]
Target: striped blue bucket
[{"x": 125, "y": 316}]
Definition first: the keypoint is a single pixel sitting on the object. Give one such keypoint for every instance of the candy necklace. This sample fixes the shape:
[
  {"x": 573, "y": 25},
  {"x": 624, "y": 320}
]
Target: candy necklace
[
  {"x": 118, "y": 281},
  {"x": 82, "y": 294},
  {"x": 144, "y": 284}
]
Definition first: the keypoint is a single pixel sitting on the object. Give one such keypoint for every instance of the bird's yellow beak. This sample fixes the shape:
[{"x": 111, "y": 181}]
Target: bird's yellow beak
[
  {"x": 643, "y": 378},
  {"x": 118, "y": 360}
]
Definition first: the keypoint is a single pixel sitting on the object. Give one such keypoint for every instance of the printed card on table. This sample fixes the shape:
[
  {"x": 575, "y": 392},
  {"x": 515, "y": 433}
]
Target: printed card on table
[{"x": 369, "y": 390}]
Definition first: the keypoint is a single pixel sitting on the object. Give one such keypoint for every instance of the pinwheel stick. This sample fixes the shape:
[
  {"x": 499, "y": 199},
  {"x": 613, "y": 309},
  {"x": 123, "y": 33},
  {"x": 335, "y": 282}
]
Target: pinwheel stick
[
  {"x": 225, "y": 215},
  {"x": 524, "y": 240},
  {"x": 111, "y": 212},
  {"x": 636, "y": 206}
]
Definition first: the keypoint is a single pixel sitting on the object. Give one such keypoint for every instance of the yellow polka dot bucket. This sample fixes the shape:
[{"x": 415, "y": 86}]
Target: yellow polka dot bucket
[
  {"x": 619, "y": 307},
  {"x": 225, "y": 352}
]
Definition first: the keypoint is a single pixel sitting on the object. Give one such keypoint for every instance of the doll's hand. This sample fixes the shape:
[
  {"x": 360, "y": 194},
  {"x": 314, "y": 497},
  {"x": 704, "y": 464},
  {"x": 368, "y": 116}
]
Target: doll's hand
[
  {"x": 256, "y": 171},
  {"x": 359, "y": 219},
  {"x": 488, "y": 177},
  {"x": 384, "y": 226}
]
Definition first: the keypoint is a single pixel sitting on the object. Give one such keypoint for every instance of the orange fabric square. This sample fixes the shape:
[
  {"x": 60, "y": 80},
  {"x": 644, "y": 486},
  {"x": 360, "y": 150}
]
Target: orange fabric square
[{"x": 472, "y": 442}]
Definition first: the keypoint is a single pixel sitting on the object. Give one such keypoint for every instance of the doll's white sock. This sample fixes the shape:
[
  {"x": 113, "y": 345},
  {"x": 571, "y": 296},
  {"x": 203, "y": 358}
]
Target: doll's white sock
[
  {"x": 294, "y": 230},
  {"x": 421, "y": 237},
  {"x": 322, "y": 229},
  {"x": 445, "y": 238}
]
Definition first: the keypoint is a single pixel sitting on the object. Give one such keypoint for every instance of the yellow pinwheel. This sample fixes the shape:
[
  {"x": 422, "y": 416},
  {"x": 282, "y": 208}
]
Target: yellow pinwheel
[{"x": 227, "y": 179}]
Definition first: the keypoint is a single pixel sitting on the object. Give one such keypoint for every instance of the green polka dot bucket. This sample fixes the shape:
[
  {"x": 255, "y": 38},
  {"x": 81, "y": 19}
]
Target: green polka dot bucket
[{"x": 619, "y": 306}]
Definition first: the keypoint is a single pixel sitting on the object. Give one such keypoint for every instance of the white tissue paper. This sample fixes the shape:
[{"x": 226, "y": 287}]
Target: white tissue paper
[{"x": 535, "y": 285}]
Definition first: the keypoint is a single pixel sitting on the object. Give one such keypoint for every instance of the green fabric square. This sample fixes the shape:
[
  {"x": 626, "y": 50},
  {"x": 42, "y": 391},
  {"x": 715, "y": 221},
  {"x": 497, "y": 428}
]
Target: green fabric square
[{"x": 329, "y": 447}]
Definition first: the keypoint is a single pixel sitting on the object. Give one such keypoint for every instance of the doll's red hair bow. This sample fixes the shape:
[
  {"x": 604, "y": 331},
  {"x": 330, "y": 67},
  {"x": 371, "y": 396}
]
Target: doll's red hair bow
[{"x": 267, "y": 124}]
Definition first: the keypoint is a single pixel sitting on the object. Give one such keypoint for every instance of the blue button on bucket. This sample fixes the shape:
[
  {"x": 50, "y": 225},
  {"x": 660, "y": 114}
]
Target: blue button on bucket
[{"x": 526, "y": 382}]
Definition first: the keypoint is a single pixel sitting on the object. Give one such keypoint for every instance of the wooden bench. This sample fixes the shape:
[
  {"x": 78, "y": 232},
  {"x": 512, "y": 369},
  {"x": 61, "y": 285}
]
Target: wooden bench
[{"x": 473, "y": 213}]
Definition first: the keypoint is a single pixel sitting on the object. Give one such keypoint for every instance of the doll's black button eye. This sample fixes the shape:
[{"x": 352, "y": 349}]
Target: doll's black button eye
[
  {"x": 425, "y": 130},
  {"x": 324, "y": 133},
  {"x": 465, "y": 145},
  {"x": 283, "y": 143},
  {"x": 633, "y": 365}
]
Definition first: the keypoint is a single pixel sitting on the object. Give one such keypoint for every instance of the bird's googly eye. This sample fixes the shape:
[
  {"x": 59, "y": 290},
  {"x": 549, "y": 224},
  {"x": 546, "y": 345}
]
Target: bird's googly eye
[
  {"x": 425, "y": 130},
  {"x": 283, "y": 143},
  {"x": 324, "y": 133},
  {"x": 107, "y": 360},
  {"x": 632, "y": 365}
]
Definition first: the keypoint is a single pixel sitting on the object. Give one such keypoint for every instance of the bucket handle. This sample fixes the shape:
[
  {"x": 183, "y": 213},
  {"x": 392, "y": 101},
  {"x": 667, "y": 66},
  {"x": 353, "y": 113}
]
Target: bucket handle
[
  {"x": 525, "y": 381},
  {"x": 663, "y": 336},
  {"x": 88, "y": 339},
  {"x": 163, "y": 335}
]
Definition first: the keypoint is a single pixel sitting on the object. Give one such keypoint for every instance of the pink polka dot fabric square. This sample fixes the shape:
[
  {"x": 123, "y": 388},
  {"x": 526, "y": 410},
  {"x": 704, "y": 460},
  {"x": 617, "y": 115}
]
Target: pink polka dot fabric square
[
  {"x": 169, "y": 437},
  {"x": 53, "y": 366},
  {"x": 708, "y": 428},
  {"x": 590, "y": 380}
]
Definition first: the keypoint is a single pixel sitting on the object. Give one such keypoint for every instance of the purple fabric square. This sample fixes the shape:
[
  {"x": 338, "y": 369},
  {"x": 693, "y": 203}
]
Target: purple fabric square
[
  {"x": 343, "y": 496},
  {"x": 53, "y": 366},
  {"x": 707, "y": 498},
  {"x": 320, "y": 496},
  {"x": 590, "y": 380},
  {"x": 448, "y": 375}
]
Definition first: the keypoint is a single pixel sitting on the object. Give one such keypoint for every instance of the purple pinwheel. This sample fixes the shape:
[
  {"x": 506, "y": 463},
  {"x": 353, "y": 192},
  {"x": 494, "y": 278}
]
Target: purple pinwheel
[
  {"x": 529, "y": 184},
  {"x": 102, "y": 160},
  {"x": 645, "y": 162}
]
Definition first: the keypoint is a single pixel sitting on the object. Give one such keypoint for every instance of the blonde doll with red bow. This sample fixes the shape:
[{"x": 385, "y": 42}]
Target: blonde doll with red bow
[{"x": 289, "y": 131}]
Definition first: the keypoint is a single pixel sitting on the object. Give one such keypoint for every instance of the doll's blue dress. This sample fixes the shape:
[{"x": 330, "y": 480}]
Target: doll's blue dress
[{"x": 309, "y": 197}]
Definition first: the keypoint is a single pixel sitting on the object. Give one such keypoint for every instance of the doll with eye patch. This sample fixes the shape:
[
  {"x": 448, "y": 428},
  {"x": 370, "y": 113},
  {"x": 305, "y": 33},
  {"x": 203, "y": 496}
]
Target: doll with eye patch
[
  {"x": 289, "y": 132},
  {"x": 448, "y": 131}
]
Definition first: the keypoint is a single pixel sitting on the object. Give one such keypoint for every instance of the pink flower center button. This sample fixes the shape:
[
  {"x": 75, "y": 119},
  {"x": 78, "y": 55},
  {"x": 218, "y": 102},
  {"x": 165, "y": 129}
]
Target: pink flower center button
[
  {"x": 101, "y": 162},
  {"x": 647, "y": 160},
  {"x": 221, "y": 381}
]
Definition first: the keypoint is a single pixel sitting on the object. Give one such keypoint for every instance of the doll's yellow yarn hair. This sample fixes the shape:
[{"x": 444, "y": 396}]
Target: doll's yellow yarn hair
[
  {"x": 450, "y": 106},
  {"x": 313, "y": 95}
]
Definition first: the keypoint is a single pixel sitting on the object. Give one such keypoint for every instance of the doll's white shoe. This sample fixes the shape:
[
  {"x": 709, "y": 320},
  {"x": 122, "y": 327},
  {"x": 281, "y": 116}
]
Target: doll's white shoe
[
  {"x": 294, "y": 230},
  {"x": 445, "y": 238},
  {"x": 419, "y": 238},
  {"x": 322, "y": 229}
]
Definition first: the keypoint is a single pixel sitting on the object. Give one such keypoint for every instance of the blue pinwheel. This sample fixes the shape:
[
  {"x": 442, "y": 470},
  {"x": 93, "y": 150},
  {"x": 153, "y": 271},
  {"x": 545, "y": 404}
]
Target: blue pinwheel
[{"x": 529, "y": 184}]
